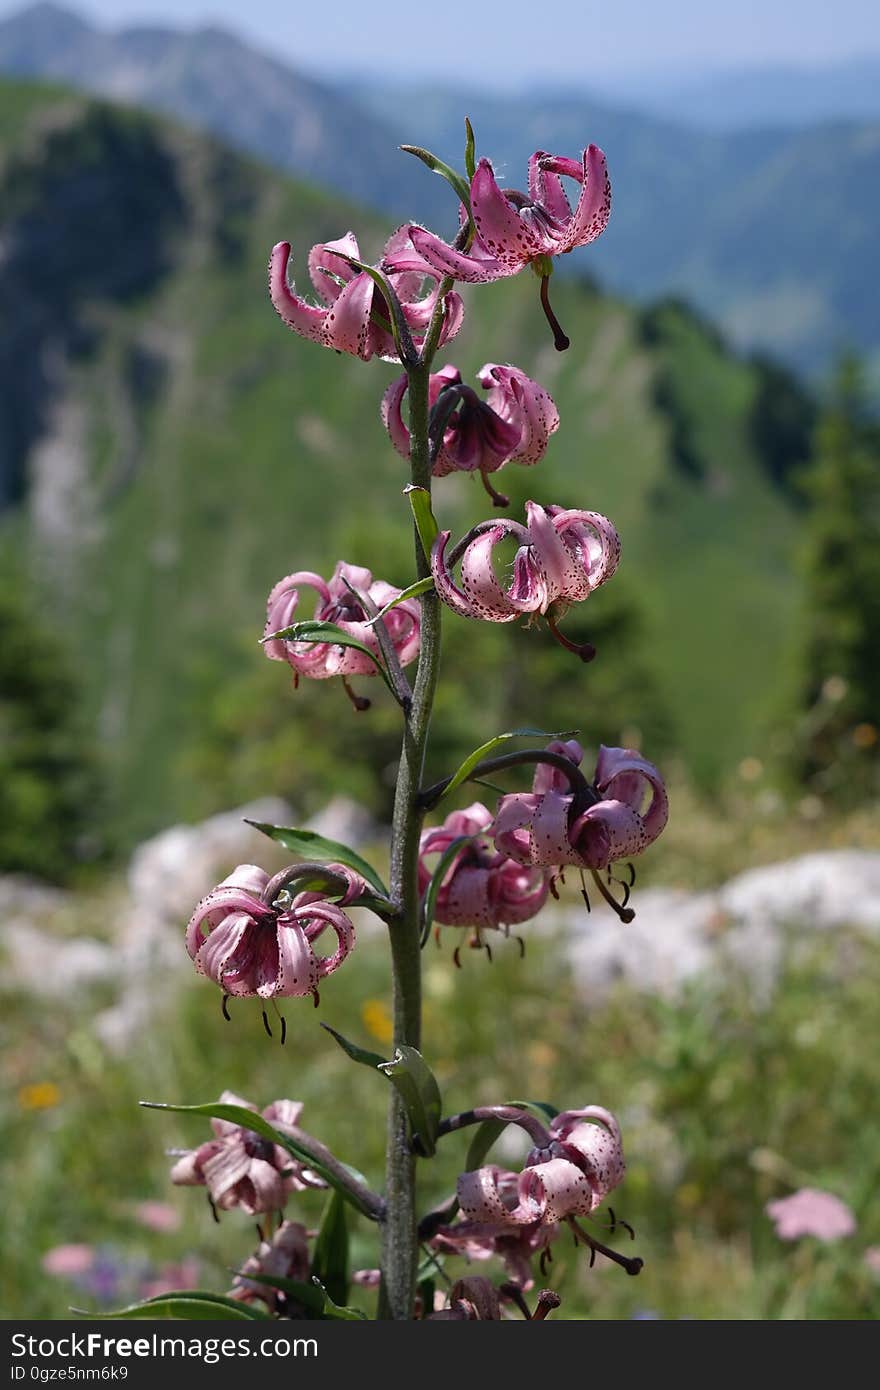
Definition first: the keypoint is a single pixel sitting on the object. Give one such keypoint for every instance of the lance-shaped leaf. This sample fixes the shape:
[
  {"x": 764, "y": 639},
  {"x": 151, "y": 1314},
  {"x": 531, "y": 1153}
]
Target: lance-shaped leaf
[
  {"x": 315, "y": 630},
  {"x": 421, "y": 586},
  {"x": 346, "y": 1180},
  {"x": 429, "y": 902},
  {"x": 357, "y": 1054},
  {"x": 490, "y": 1130},
  {"x": 426, "y": 522},
  {"x": 339, "y": 1314},
  {"x": 463, "y": 772},
  {"x": 310, "y": 1295},
  {"x": 330, "y": 1257},
  {"x": 313, "y": 846},
  {"x": 191, "y": 1305},
  {"x": 439, "y": 166},
  {"x": 418, "y": 1088},
  {"x": 470, "y": 149}
]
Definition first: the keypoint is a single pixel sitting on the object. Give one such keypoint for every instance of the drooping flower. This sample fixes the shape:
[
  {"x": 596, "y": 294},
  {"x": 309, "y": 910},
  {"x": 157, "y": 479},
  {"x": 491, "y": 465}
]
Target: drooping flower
[
  {"x": 563, "y": 556},
  {"x": 252, "y": 945},
  {"x": 515, "y": 1215},
  {"x": 811, "y": 1212},
  {"x": 549, "y": 826},
  {"x": 354, "y": 316},
  {"x": 336, "y": 603},
  {"x": 513, "y": 423},
  {"x": 481, "y": 887},
  {"x": 516, "y": 229},
  {"x": 285, "y": 1256},
  {"x": 242, "y": 1169}
]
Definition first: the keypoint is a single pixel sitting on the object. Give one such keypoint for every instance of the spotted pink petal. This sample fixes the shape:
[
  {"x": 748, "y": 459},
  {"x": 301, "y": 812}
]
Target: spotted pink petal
[
  {"x": 501, "y": 229},
  {"x": 305, "y": 319},
  {"x": 594, "y": 205},
  {"x": 523, "y": 403},
  {"x": 622, "y": 773},
  {"x": 473, "y": 269},
  {"x": 545, "y": 188},
  {"x": 553, "y": 1190},
  {"x": 326, "y": 269},
  {"x": 481, "y": 596}
]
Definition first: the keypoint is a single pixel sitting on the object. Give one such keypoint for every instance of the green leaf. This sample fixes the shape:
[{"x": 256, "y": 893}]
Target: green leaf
[
  {"x": 426, "y": 522},
  {"x": 470, "y": 162},
  {"x": 471, "y": 761},
  {"x": 252, "y": 1120},
  {"x": 330, "y": 1257},
  {"x": 421, "y": 586},
  {"x": 313, "y": 846},
  {"x": 309, "y": 1295},
  {"x": 192, "y": 1305},
  {"x": 417, "y": 1085},
  {"x": 335, "y": 1311},
  {"x": 313, "y": 630},
  {"x": 438, "y": 166},
  {"x": 429, "y": 903},
  {"x": 357, "y": 1054}
]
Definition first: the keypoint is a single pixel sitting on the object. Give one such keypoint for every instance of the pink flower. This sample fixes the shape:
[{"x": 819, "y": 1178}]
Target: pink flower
[
  {"x": 68, "y": 1260},
  {"x": 354, "y": 316},
  {"x": 811, "y": 1212},
  {"x": 337, "y": 604},
  {"x": 250, "y": 944},
  {"x": 286, "y": 1256},
  {"x": 563, "y": 557},
  {"x": 514, "y": 423},
  {"x": 517, "y": 1214},
  {"x": 157, "y": 1216},
  {"x": 515, "y": 229},
  {"x": 242, "y": 1169},
  {"x": 172, "y": 1278},
  {"x": 481, "y": 888},
  {"x": 548, "y": 826}
]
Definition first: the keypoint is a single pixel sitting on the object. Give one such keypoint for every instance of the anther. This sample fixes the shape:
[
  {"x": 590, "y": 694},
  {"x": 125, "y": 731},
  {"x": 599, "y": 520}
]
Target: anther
[
  {"x": 585, "y": 650},
  {"x": 266, "y": 1024},
  {"x": 360, "y": 702},
  {"x": 224, "y": 1009}
]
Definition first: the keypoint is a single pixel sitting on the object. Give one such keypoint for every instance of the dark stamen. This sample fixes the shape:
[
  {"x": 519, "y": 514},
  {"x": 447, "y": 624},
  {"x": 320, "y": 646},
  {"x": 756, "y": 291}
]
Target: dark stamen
[
  {"x": 520, "y": 941},
  {"x": 283, "y": 1030},
  {"x": 214, "y": 1211},
  {"x": 316, "y": 996},
  {"x": 560, "y": 342},
  {"x": 585, "y": 650},
  {"x": 498, "y": 498},
  {"x": 632, "y": 1266},
  {"x": 632, "y": 874},
  {"x": 626, "y": 914},
  {"x": 513, "y": 1292},
  {"x": 224, "y": 1009},
  {"x": 360, "y": 702},
  {"x": 456, "y": 960},
  {"x": 266, "y": 1023}
]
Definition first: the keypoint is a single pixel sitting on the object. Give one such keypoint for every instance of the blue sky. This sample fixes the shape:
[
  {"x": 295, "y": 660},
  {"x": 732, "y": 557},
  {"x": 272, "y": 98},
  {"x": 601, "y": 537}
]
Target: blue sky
[{"x": 518, "y": 40}]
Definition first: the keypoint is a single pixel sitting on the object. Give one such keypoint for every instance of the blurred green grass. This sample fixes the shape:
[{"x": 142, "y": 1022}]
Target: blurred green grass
[{"x": 718, "y": 1094}]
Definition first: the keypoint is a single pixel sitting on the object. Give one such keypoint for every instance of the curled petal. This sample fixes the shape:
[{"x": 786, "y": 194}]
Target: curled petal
[
  {"x": 476, "y": 269},
  {"x": 481, "y": 596},
  {"x": 523, "y": 403},
  {"x": 392, "y": 418},
  {"x": 327, "y": 268},
  {"x": 553, "y": 1190},
  {"x": 512, "y": 821},
  {"x": 607, "y": 832},
  {"x": 501, "y": 229},
  {"x": 481, "y": 1195},
  {"x": 305, "y": 319},
  {"x": 625, "y": 775},
  {"x": 594, "y": 205}
]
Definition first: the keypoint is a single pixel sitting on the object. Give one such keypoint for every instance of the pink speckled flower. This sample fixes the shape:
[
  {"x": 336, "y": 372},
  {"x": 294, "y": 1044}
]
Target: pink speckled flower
[
  {"x": 242, "y": 1169},
  {"x": 354, "y": 316},
  {"x": 481, "y": 888},
  {"x": 516, "y": 1214},
  {"x": 514, "y": 229},
  {"x": 250, "y": 944},
  {"x": 547, "y": 827},
  {"x": 563, "y": 556},
  {"x": 811, "y": 1212},
  {"x": 513, "y": 424},
  {"x": 337, "y": 604},
  {"x": 285, "y": 1256}
]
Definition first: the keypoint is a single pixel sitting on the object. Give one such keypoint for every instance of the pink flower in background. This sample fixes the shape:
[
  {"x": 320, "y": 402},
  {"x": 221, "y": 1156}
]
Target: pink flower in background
[
  {"x": 242, "y": 1169},
  {"x": 545, "y": 826},
  {"x": 156, "y": 1216},
  {"x": 811, "y": 1212},
  {"x": 286, "y": 1256},
  {"x": 513, "y": 423},
  {"x": 337, "y": 604},
  {"x": 251, "y": 947},
  {"x": 354, "y": 316},
  {"x": 172, "y": 1278},
  {"x": 563, "y": 556},
  {"x": 481, "y": 888},
  {"x": 66, "y": 1261},
  {"x": 515, "y": 229}
]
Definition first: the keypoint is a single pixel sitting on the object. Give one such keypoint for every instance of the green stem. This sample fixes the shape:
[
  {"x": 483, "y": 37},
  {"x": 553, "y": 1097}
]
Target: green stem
[{"x": 399, "y": 1226}]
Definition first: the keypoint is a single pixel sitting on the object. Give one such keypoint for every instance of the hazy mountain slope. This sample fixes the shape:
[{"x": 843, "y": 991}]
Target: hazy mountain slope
[
  {"x": 772, "y": 232},
  {"x": 176, "y": 451}
]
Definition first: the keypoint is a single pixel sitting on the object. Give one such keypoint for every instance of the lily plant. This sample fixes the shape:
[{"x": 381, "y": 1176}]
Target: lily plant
[{"x": 480, "y": 870}]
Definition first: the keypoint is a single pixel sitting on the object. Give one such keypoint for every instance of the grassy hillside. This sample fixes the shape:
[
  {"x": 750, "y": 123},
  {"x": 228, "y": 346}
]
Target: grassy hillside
[{"x": 169, "y": 451}]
